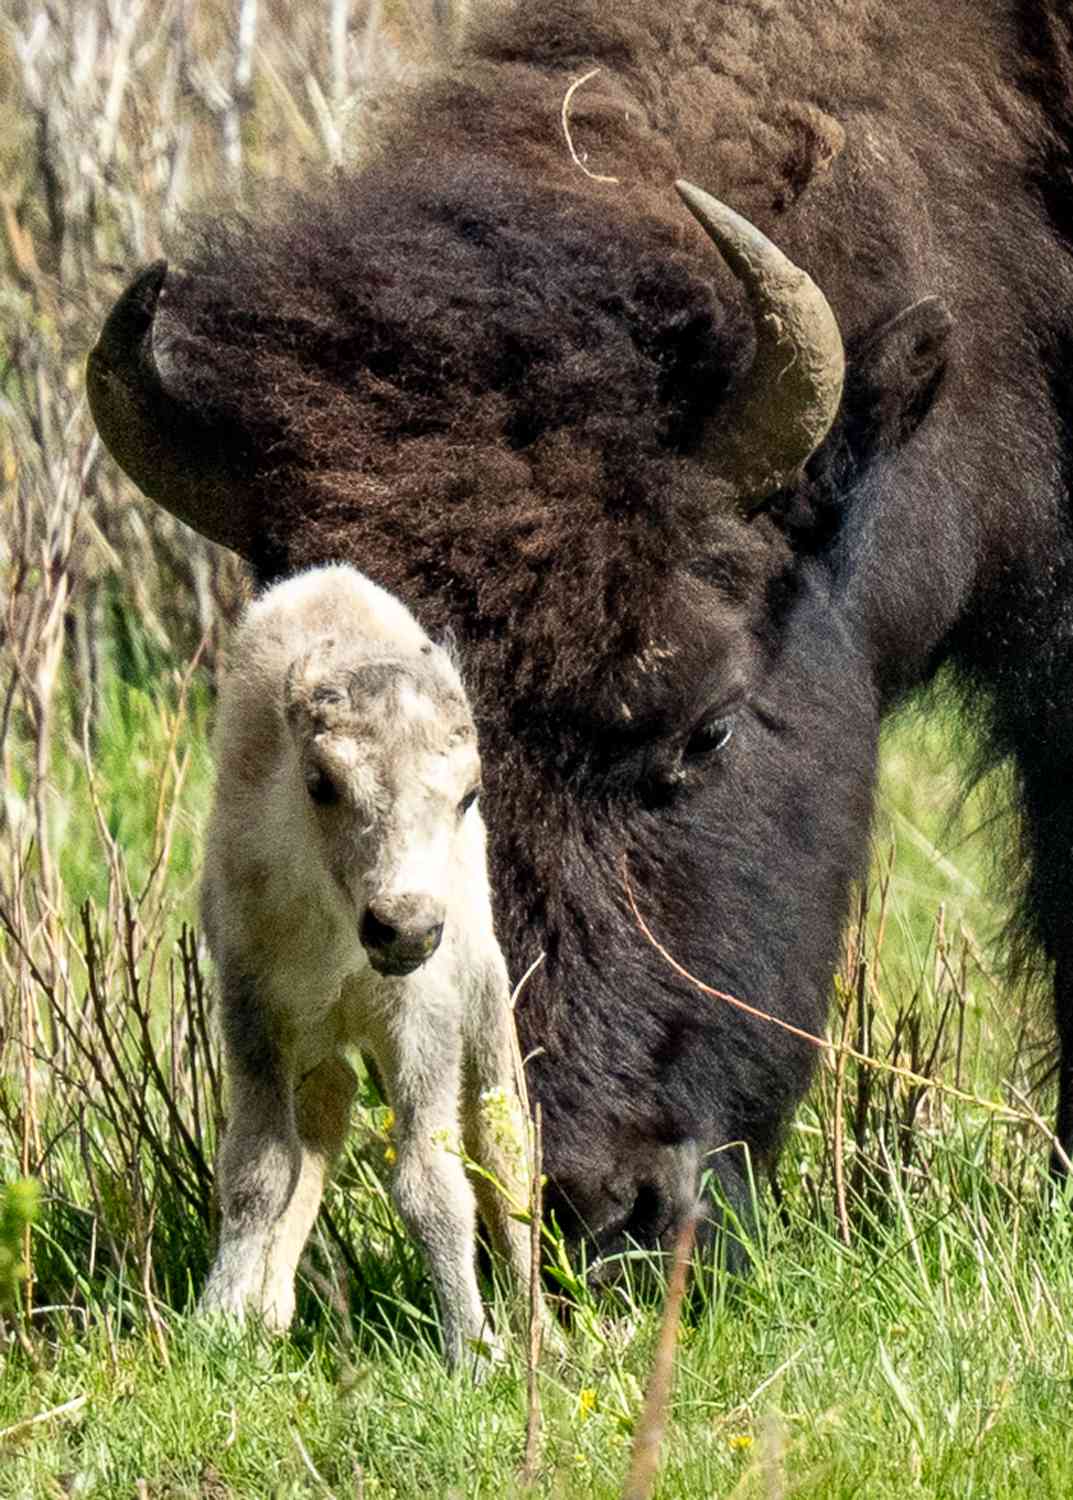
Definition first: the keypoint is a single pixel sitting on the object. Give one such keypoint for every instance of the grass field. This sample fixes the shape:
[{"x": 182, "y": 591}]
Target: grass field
[
  {"x": 903, "y": 1329},
  {"x": 901, "y": 1333}
]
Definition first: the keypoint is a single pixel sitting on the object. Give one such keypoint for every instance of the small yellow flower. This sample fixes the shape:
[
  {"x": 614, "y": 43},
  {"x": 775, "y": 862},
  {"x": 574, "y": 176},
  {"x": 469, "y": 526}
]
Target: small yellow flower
[
  {"x": 390, "y": 1156},
  {"x": 740, "y": 1442},
  {"x": 586, "y": 1402}
]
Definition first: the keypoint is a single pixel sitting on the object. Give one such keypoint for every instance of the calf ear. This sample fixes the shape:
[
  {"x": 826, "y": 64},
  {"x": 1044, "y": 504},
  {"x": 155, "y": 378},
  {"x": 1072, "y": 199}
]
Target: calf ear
[
  {"x": 893, "y": 377},
  {"x": 304, "y": 675}
]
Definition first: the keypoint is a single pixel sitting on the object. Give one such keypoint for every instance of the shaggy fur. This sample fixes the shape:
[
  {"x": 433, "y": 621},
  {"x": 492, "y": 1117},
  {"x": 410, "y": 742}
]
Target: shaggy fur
[{"x": 482, "y": 374}]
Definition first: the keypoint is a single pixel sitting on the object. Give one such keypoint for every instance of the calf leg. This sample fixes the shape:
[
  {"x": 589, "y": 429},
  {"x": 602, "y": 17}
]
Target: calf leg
[
  {"x": 322, "y": 1114},
  {"x": 277, "y": 1152},
  {"x": 422, "y": 1075},
  {"x": 494, "y": 1120},
  {"x": 257, "y": 1169}
]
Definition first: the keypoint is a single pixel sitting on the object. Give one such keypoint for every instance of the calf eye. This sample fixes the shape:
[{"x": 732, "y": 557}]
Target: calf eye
[
  {"x": 709, "y": 736},
  {"x": 321, "y": 788},
  {"x": 467, "y": 801}
]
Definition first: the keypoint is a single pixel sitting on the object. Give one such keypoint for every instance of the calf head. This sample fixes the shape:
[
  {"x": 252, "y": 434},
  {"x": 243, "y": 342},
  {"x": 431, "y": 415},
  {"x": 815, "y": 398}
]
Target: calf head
[{"x": 387, "y": 753}]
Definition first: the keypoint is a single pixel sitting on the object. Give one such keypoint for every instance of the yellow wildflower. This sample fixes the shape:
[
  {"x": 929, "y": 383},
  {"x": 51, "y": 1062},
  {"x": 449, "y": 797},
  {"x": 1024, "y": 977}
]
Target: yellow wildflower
[{"x": 586, "y": 1402}]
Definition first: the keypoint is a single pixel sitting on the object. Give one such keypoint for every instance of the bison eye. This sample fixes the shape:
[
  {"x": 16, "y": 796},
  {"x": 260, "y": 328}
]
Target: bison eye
[
  {"x": 321, "y": 788},
  {"x": 467, "y": 801},
  {"x": 709, "y": 736}
]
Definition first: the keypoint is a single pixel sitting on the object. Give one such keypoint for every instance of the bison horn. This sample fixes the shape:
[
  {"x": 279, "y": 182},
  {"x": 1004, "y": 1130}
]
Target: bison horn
[
  {"x": 786, "y": 404},
  {"x": 167, "y": 449}
]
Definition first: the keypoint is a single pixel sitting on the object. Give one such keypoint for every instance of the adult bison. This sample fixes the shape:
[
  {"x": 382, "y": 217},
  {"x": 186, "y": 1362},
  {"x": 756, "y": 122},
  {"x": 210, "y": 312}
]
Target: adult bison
[{"x": 501, "y": 369}]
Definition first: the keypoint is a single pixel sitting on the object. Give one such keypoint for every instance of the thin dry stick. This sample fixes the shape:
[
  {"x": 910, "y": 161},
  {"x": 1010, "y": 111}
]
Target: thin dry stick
[
  {"x": 238, "y": 98},
  {"x": 1002, "y": 1111},
  {"x": 140, "y": 1009},
  {"x": 644, "y": 1459},
  {"x": 155, "y": 1320},
  {"x": 68, "y": 1409},
  {"x": 1041, "y": 1125},
  {"x": 838, "y": 1145},
  {"x": 31, "y": 1129},
  {"x": 533, "y": 1421},
  {"x": 115, "y": 862},
  {"x": 170, "y": 796},
  {"x": 565, "y": 116},
  {"x": 518, "y": 1061},
  {"x": 310, "y": 1466}
]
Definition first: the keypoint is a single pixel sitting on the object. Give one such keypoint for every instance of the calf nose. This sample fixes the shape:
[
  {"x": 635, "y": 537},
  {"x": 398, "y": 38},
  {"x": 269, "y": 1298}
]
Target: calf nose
[{"x": 400, "y": 935}]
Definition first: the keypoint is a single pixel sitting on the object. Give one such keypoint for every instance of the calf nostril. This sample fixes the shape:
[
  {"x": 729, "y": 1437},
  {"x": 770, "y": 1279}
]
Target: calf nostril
[{"x": 375, "y": 933}]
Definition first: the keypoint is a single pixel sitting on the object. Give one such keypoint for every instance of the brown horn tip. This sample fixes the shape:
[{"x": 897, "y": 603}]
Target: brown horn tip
[{"x": 786, "y": 405}]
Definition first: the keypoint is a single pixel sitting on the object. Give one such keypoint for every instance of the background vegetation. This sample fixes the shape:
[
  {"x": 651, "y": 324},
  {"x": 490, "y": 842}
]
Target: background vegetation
[{"x": 903, "y": 1329}]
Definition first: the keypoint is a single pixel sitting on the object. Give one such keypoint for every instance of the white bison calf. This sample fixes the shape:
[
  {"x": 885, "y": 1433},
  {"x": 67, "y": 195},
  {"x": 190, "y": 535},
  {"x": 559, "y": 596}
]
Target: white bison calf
[{"x": 346, "y": 903}]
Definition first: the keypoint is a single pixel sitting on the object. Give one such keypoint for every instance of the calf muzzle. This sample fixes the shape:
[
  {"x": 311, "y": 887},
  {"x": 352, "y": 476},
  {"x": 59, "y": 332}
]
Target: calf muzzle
[{"x": 398, "y": 945}]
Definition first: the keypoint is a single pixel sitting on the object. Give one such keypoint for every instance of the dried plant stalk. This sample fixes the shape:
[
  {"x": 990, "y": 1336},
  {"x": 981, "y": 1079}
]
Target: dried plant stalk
[{"x": 644, "y": 1458}]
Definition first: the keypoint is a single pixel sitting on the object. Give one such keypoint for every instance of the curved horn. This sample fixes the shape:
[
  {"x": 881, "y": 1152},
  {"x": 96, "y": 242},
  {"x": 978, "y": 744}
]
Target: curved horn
[
  {"x": 786, "y": 404},
  {"x": 169, "y": 452}
]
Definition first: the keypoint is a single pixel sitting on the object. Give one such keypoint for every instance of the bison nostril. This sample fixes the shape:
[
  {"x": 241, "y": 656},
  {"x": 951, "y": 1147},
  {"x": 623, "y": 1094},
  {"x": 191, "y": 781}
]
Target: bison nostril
[{"x": 377, "y": 934}]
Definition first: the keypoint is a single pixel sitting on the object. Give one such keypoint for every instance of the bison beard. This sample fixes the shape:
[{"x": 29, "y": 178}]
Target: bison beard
[{"x": 520, "y": 398}]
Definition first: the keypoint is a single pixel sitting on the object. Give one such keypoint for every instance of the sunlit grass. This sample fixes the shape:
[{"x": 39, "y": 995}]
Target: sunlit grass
[
  {"x": 903, "y": 1330},
  {"x": 911, "y": 1339}
]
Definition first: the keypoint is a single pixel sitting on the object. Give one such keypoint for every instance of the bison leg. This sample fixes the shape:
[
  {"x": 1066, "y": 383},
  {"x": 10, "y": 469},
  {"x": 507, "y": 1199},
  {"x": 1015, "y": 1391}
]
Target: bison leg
[
  {"x": 258, "y": 1166},
  {"x": 277, "y": 1151},
  {"x": 322, "y": 1113},
  {"x": 421, "y": 1068}
]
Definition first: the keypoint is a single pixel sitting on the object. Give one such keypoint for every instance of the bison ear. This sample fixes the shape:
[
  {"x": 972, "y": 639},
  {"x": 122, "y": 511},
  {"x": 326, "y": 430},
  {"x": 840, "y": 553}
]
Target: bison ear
[
  {"x": 305, "y": 675},
  {"x": 893, "y": 377}
]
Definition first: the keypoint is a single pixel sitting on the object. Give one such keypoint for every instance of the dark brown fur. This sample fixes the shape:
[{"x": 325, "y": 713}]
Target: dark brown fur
[{"x": 482, "y": 375}]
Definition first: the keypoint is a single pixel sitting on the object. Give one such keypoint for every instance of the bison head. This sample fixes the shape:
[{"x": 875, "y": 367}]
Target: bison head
[{"x": 556, "y": 432}]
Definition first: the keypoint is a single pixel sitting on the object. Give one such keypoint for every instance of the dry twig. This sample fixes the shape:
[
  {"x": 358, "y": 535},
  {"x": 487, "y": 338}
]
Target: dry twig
[{"x": 644, "y": 1459}]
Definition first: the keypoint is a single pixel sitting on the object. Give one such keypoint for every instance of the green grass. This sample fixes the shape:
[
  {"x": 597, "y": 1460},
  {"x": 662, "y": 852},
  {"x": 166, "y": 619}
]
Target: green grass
[
  {"x": 939, "y": 1369},
  {"x": 904, "y": 1331},
  {"x": 142, "y": 783},
  {"x": 928, "y": 1355}
]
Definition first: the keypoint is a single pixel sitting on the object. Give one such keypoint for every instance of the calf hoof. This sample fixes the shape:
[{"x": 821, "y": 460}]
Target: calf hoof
[
  {"x": 480, "y": 1356},
  {"x": 270, "y": 1308}
]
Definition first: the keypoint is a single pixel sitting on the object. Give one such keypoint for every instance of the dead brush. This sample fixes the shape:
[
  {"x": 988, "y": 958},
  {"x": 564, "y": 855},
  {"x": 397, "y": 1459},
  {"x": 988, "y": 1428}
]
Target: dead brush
[
  {"x": 124, "y": 1115},
  {"x": 116, "y": 118},
  {"x": 903, "y": 1083}
]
